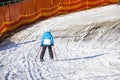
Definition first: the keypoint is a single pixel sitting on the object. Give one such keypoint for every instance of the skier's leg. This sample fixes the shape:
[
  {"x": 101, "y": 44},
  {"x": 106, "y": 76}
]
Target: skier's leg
[
  {"x": 50, "y": 52},
  {"x": 42, "y": 53}
]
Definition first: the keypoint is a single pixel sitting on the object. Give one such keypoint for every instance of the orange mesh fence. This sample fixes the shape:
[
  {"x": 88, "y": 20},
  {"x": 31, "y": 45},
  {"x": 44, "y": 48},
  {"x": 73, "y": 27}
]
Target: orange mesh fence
[
  {"x": 46, "y": 7},
  {"x": 28, "y": 7},
  {"x": 2, "y": 17},
  {"x": 15, "y": 11},
  {"x": 56, "y": 7},
  {"x": 65, "y": 5},
  {"x": 76, "y": 5},
  {"x": 6, "y": 13},
  {"x": 93, "y": 3},
  {"x": 37, "y": 5},
  {"x": 27, "y": 11}
]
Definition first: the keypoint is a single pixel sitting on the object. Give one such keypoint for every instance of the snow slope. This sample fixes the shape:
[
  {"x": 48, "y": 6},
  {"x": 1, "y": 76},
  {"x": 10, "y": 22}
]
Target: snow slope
[{"x": 87, "y": 45}]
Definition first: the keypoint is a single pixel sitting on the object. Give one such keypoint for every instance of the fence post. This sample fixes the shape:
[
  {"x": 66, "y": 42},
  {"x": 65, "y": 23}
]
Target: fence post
[
  {"x": 2, "y": 4},
  {"x": 118, "y": 2}
]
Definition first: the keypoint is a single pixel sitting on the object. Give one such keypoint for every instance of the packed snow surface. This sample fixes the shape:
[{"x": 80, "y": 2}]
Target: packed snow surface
[{"x": 87, "y": 47}]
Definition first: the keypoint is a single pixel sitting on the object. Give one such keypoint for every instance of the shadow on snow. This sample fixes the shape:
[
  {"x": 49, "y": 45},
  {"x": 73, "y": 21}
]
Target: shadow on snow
[
  {"x": 9, "y": 44},
  {"x": 87, "y": 57}
]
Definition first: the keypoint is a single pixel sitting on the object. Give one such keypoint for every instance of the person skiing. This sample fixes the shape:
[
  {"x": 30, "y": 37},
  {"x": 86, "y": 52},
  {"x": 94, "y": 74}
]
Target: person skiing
[{"x": 47, "y": 41}]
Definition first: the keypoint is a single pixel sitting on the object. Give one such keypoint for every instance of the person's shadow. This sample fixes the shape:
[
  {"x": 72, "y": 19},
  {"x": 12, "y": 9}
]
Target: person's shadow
[
  {"x": 7, "y": 44},
  {"x": 86, "y": 57}
]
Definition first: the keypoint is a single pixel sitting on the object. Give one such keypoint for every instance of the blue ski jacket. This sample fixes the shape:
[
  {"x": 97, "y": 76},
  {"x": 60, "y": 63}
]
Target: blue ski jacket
[{"x": 47, "y": 39}]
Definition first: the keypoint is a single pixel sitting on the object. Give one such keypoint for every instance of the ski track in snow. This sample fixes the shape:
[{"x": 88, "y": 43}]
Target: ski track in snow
[{"x": 87, "y": 46}]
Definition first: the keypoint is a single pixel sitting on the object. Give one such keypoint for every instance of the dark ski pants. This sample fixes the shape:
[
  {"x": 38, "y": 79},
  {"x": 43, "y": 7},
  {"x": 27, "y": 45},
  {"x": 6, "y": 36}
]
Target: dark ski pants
[{"x": 43, "y": 52}]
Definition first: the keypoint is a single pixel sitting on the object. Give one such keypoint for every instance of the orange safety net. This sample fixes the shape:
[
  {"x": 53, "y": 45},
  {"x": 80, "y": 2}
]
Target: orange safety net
[
  {"x": 27, "y": 11},
  {"x": 93, "y": 3},
  {"x": 2, "y": 17},
  {"x": 15, "y": 11},
  {"x": 28, "y": 7},
  {"x": 4, "y": 14}
]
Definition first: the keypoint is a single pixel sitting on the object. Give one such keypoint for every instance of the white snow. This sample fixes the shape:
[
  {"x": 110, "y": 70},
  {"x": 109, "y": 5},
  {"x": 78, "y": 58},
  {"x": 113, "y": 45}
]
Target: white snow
[{"x": 87, "y": 46}]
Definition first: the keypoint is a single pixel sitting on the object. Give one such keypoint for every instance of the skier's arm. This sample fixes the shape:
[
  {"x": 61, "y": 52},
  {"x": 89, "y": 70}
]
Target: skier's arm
[
  {"x": 52, "y": 40},
  {"x": 41, "y": 42}
]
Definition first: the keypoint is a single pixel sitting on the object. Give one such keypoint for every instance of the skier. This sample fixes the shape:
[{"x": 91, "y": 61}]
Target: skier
[{"x": 47, "y": 41}]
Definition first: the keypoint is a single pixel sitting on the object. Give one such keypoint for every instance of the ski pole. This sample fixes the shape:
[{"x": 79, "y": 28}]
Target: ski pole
[
  {"x": 54, "y": 52},
  {"x": 38, "y": 53}
]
